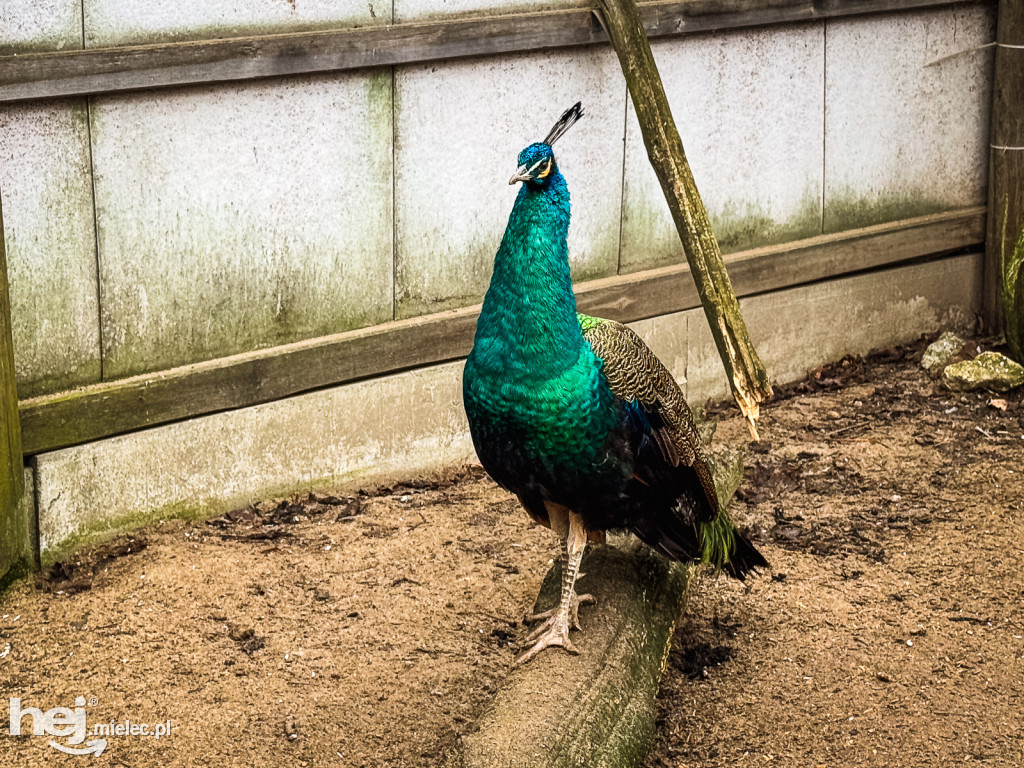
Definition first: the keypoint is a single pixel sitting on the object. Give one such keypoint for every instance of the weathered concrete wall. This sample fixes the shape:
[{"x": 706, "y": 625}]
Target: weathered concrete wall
[
  {"x": 233, "y": 219},
  {"x": 799, "y": 329},
  {"x": 413, "y": 423},
  {"x": 130, "y": 22},
  {"x": 423, "y": 10},
  {"x": 242, "y": 216},
  {"x": 906, "y": 134},
  {"x": 452, "y": 166},
  {"x": 46, "y": 189},
  {"x": 29, "y": 26},
  {"x": 748, "y": 105}
]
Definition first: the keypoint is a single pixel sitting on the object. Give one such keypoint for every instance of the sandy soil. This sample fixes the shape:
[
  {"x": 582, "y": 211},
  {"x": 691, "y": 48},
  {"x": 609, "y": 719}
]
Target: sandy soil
[
  {"x": 360, "y": 631},
  {"x": 891, "y": 632},
  {"x": 368, "y": 630}
]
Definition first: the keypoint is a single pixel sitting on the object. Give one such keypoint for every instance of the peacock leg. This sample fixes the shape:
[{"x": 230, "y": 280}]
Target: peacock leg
[{"x": 555, "y": 630}]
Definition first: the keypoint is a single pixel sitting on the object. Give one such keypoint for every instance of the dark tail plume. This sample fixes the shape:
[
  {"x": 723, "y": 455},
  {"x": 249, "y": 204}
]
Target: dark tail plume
[{"x": 744, "y": 558}]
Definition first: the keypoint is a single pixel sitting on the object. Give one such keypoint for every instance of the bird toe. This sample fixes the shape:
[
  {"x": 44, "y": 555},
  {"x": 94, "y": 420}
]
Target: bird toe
[{"x": 554, "y": 632}]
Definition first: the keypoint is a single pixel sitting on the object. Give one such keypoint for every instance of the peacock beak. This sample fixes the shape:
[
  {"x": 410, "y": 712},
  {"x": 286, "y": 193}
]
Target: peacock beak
[{"x": 521, "y": 174}]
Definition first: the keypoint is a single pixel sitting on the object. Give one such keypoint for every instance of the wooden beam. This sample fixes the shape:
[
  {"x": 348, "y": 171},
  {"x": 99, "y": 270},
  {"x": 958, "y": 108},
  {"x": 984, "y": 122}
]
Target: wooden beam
[
  {"x": 12, "y": 472},
  {"x": 127, "y": 68},
  {"x": 598, "y": 709},
  {"x": 112, "y": 408},
  {"x": 1006, "y": 157}
]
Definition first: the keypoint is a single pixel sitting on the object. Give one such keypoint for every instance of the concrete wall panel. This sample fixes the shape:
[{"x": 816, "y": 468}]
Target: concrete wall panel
[
  {"x": 460, "y": 127},
  {"x": 46, "y": 189},
  {"x": 396, "y": 426},
  {"x": 130, "y": 22},
  {"x": 748, "y": 105},
  {"x": 801, "y": 328},
  {"x": 237, "y": 218},
  {"x": 31, "y": 26},
  {"x": 906, "y": 134}
]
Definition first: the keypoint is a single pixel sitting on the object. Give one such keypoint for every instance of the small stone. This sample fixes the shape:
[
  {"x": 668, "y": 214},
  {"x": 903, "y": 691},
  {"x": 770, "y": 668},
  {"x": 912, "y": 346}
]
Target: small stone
[
  {"x": 941, "y": 352},
  {"x": 989, "y": 370}
]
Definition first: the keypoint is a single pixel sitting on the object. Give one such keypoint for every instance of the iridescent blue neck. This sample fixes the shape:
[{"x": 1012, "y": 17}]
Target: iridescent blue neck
[{"x": 529, "y": 312}]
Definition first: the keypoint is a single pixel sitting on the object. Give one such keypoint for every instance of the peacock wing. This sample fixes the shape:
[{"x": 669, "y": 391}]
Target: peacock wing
[{"x": 636, "y": 375}]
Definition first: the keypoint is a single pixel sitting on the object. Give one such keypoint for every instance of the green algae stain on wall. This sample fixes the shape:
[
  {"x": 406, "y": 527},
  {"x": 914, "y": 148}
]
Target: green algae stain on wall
[
  {"x": 848, "y": 209},
  {"x": 650, "y": 242},
  {"x": 130, "y": 22},
  {"x": 46, "y": 186},
  {"x": 235, "y": 218},
  {"x": 39, "y": 26}
]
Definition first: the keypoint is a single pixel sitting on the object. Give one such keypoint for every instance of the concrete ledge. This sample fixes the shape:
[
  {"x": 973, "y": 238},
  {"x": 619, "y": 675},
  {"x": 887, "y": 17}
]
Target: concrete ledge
[
  {"x": 802, "y": 328},
  {"x": 412, "y": 423},
  {"x": 407, "y": 424}
]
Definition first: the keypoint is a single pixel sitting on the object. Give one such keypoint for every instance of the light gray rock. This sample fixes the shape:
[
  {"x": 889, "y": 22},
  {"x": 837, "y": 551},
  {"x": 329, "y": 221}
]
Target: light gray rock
[
  {"x": 941, "y": 352},
  {"x": 989, "y": 370}
]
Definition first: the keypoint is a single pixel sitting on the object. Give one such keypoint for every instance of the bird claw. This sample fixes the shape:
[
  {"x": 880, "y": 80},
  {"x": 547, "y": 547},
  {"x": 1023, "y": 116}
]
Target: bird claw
[
  {"x": 553, "y": 632},
  {"x": 574, "y": 610}
]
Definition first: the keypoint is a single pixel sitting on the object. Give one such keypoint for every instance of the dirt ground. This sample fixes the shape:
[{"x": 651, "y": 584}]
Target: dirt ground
[
  {"x": 369, "y": 629},
  {"x": 890, "y": 633}
]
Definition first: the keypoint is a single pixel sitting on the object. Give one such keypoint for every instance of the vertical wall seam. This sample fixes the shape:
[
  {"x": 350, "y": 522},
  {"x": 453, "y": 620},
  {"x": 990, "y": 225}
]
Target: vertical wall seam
[
  {"x": 95, "y": 233},
  {"x": 824, "y": 115},
  {"x": 394, "y": 195},
  {"x": 622, "y": 187},
  {"x": 37, "y": 558},
  {"x": 394, "y": 185}
]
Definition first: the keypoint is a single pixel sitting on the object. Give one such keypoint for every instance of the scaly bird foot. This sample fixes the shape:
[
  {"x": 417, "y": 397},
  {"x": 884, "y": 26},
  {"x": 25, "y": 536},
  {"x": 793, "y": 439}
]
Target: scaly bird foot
[
  {"x": 554, "y": 631},
  {"x": 574, "y": 611}
]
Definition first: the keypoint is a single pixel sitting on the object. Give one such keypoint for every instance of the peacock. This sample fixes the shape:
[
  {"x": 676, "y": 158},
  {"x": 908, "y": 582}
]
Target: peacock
[{"x": 575, "y": 415}]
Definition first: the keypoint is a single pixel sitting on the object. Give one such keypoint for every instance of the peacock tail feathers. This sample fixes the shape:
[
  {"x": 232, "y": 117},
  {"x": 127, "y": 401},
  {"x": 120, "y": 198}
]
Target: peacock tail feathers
[{"x": 717, "y": 539}]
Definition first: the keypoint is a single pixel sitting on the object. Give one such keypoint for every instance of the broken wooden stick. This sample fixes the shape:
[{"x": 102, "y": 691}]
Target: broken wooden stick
[{"x": 747, "y": 376}]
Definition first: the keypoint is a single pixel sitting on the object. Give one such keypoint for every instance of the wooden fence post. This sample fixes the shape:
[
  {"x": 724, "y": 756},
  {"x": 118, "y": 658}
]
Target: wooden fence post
[
  {"x": 1006, "y": 157},
  {"x": 746, "y": 374},
  {"x": 12, "y": 472}
]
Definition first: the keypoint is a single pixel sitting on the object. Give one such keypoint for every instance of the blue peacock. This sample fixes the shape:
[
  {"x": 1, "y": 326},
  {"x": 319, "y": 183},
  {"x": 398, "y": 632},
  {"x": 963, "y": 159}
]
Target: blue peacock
[{"x": 575, "y": 415}]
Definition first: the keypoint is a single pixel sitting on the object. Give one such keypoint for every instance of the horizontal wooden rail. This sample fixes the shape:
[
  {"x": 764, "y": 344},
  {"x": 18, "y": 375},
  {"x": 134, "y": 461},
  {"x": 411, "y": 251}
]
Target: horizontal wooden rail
[
  {"x": 126, "y": 68},
  {"x": 113, "y": 408}
]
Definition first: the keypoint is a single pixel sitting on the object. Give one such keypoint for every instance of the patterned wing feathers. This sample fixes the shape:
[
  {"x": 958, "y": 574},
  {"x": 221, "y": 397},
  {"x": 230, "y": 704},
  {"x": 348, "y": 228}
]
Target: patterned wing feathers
[{"x": 636, "y": 375}]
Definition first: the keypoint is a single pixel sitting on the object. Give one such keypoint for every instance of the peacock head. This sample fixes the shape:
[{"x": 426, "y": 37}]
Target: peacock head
[{"x": 537, "y": 162}]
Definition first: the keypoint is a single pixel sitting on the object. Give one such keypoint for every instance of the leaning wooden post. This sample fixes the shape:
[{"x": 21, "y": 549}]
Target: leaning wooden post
[
  {"x": 11, "y": 463},
  {"x": 1006, "y": 156},
  {"x": 747, "y": 376}
]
